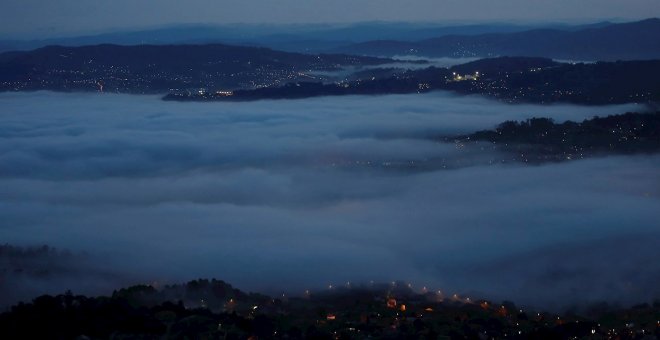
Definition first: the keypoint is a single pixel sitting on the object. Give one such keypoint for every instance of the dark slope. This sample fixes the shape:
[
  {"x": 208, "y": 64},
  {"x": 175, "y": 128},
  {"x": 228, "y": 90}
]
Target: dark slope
[{"x": 213, "y": 309}]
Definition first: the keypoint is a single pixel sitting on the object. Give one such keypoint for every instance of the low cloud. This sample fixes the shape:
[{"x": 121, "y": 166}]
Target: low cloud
[{"x": 288, "y": 195}]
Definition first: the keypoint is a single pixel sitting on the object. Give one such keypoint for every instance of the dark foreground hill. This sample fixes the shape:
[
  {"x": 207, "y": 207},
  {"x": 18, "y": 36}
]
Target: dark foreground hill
[
  {"x": 629, "y": 41},
  {"x": 211, "y": 309}
]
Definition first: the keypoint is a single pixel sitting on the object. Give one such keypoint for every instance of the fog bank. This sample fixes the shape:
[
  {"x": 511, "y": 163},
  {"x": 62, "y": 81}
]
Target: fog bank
[{"x": 293, "y": 194}]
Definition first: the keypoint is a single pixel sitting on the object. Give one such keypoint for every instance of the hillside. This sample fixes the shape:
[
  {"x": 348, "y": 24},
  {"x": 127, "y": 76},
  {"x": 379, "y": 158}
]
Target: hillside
[
  {"x": 509, "y": 79},
  {"x": 158, "y": 69},
  {"x": 539, "y": 140}
]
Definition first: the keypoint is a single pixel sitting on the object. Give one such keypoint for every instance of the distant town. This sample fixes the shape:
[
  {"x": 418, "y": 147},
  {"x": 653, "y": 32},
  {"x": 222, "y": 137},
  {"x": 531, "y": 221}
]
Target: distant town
[
  {"x": 231, "y": 73},
  {"x": 509, "y": 79},
  {"x": 151, "y": 69}
]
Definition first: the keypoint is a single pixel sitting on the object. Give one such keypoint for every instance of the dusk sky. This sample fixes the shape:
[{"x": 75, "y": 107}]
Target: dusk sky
[{"x": 41, "y": 18}]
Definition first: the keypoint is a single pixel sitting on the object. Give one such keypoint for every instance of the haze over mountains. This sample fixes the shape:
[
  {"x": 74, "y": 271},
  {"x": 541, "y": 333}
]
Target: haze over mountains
[
  {"x": 294, "y": 38},
  {"x": 628, "y": 41}
]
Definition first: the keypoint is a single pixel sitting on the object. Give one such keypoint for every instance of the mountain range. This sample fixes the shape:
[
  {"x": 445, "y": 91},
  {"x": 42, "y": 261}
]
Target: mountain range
[
  {"x": 293, "y": 38},
  {"x": 609, "y": 42}
]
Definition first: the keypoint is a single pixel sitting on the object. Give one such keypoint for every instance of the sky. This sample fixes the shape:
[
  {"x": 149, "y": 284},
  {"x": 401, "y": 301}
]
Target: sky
[
  {"x": 46, "y": 18},
  {"x": 289, "y": 195}
]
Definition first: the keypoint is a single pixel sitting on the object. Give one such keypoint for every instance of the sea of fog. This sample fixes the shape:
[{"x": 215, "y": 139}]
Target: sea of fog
[
  {"x": 282, "y": 196},
  {"x": 406, "y": 62}
]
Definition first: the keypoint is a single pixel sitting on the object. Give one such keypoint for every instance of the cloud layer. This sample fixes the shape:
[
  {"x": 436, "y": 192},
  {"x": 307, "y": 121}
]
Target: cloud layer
[{"x": 289, "y": 195}]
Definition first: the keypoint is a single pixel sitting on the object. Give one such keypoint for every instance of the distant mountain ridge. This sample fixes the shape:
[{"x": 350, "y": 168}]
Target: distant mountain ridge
[
  {"x": 628, "y": 41},
  {"x": 292, "y": 38}
]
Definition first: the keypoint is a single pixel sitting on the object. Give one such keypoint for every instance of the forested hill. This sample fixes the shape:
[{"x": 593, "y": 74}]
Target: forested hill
[
  {"x": 509, "y": 79},
  {"x": 540, "y": 140}
]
